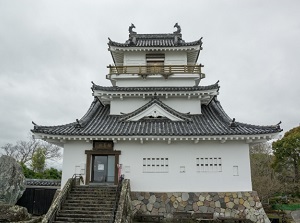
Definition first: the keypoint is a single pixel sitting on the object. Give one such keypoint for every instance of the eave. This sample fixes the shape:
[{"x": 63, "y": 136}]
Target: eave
[
  {"x": 204, "y": 96},
  {"x": 248, "y": 139}
]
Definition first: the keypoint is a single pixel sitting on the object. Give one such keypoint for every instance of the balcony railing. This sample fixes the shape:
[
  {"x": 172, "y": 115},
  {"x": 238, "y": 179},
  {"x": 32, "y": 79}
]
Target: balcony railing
[{"x": 159, "y": 69}]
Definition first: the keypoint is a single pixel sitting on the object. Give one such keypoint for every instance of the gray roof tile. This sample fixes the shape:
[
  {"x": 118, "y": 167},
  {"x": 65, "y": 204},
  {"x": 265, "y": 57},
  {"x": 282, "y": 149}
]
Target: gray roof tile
[
  {"x": 155, "y": 40},
  {"x": 212, "y": 122},
  {"x": 155, "y": 89}
]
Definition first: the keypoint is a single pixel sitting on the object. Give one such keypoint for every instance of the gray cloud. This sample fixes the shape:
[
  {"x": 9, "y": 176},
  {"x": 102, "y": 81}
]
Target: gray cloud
[{"x": 51, "y": 50}]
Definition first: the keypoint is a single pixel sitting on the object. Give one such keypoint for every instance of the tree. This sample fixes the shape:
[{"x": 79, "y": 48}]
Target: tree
[
  {"x": 262, "y": 173},
  {"x": 23, "y": 151},
  {"x": 38, "y": 161},
  {"x": 287, "y": 152}
]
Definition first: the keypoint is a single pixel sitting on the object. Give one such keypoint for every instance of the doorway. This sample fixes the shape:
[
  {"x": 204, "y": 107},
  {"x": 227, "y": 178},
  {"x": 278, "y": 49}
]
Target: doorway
[{"x": 103, "y": 169}]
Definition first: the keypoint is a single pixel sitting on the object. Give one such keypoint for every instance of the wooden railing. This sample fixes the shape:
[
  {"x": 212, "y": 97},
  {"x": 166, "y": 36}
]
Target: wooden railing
[{"x": 159, "y": 69}]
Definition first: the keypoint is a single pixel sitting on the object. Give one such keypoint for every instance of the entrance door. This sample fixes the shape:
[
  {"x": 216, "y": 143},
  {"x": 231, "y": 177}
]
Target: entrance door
[{"x": 103, "y": 169}]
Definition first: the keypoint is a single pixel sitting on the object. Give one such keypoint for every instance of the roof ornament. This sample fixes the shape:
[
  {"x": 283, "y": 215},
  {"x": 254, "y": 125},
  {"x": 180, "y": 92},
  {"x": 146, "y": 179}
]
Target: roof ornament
[
  {"x": 130, "y": 29},
  {"x": 34, "y": 123},
  {"x": 278, "y": 125},
  {"x": 93, "y": 85},
  {"x": 233, "y": 123},
  {"x": 178, "y": 31},
  {"x": 78, "y": 124}
]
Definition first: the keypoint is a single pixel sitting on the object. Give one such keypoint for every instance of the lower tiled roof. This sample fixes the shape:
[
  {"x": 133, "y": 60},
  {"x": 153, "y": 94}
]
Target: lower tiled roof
[{"x": 212, "y": 122}]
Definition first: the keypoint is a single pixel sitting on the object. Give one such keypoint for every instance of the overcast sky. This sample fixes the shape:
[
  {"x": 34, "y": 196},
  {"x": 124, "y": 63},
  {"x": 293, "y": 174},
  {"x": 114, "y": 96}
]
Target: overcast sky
[{"x": 50, "y": 51}]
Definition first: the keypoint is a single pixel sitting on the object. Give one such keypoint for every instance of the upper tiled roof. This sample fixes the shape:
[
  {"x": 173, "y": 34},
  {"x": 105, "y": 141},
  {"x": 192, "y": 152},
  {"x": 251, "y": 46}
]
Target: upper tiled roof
[
  {"x": 212, "y": 122},
  {"x": 155, "y": 40},
  {"x": 155, "y": 89}
]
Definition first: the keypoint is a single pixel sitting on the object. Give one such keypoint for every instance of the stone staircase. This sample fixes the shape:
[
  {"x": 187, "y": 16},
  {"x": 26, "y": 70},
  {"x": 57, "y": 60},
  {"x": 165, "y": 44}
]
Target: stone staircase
[{"x": 88, "y": 204}]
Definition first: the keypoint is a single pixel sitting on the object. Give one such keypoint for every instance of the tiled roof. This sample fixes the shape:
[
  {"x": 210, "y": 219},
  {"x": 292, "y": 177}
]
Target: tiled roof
[
  {"x": 155, "y": 40},
  {"x": 156, "y": 89},
  {"x": 43, "y": 182},
  {"x": 212, "y": 122}
]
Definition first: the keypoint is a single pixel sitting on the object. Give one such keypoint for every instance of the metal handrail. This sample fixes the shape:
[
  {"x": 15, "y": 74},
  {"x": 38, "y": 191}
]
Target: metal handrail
[
  {"x": 157, "y": 69},
  {"x": 60, "y": 199}
]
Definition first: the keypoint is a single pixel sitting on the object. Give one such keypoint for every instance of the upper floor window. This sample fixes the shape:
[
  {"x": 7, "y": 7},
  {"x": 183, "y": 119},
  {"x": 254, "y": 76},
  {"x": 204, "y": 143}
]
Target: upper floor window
[
  {"x": 155, "y": 59},
  {"x": 155, "y": 63}
]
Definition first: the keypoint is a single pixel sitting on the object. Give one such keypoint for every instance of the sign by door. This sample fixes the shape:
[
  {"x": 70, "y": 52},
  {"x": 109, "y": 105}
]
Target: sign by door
[{"x": 100, "y": 166}]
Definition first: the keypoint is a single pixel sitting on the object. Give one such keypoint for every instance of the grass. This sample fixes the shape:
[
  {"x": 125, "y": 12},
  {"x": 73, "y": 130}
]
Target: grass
[{"x": 286, "y": 207}]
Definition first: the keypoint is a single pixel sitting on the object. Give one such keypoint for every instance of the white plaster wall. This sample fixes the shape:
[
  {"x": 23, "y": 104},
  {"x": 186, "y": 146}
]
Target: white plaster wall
[
  {"x": 185, "y": 154},
  {"x": 134, "y": 58},
  {"x": 128, "y": 105},
  {"x": 73, "y": 156},
  {"x": 175, "y": 58}
]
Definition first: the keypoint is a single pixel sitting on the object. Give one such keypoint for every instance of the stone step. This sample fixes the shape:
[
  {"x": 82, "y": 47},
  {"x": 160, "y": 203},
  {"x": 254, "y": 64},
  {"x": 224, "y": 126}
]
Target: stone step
[
  {"x": 82, "y": 219},
  {"x": 85, "y": 215},
  {"x": 85, "y": 212},
  {"x": 87, "y": 202},
  {"x": 84, "y": 188},
  {"x": 87, "y": 208},
  {"x": 102, "y": 221},
  {"x": 90, "y": 196},
  {"x": 85, "y": 205}
]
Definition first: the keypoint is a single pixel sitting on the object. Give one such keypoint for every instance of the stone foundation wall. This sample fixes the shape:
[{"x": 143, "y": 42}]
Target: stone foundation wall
[{"x": 228, "y": 204}]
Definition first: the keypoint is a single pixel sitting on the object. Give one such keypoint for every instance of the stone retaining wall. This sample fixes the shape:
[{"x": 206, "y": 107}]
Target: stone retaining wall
[{"x": 228, "y": 204}]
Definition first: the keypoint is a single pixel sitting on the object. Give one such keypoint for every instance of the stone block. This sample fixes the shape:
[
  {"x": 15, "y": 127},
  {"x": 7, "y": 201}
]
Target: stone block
[
  {"x": 185, "y": 196},
  {"x": 173, "y": 198},
  {"x": 12, "y": 180},
  {"x": 217, "y": 204},
  {"x": 162, "y": 210},
  {"x": 135, "y": 202},
  {"x": 183, "y": 203},
  {"x": 13, "y": 213},
  {"x": 230, "y": 205},
  {"x": 210, "y": 210},
  {"x": 149, "y": 207},
  {"x": 147, "y": 195},
  {"x": 203, "y": 209},
  {"x": 152, "y": 199},
  {"x": 195, "y": 207},
  {"x": 156, "y": 205},
  {"x": 175, "y": 204},
  {"x": 154, "y": 211},
  {"x": 252, "y": 203},
  {"x": 201, "y": 198},
  {"x": 226, "y": 199},
  {"x": 236, "y": 201},
  {"x": 246, "y": 204}
]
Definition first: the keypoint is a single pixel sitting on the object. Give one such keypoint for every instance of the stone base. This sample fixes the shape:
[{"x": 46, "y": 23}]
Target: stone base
[
  {"x": 13, "y": 213},
  {"x": 235, "y": 205}
]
